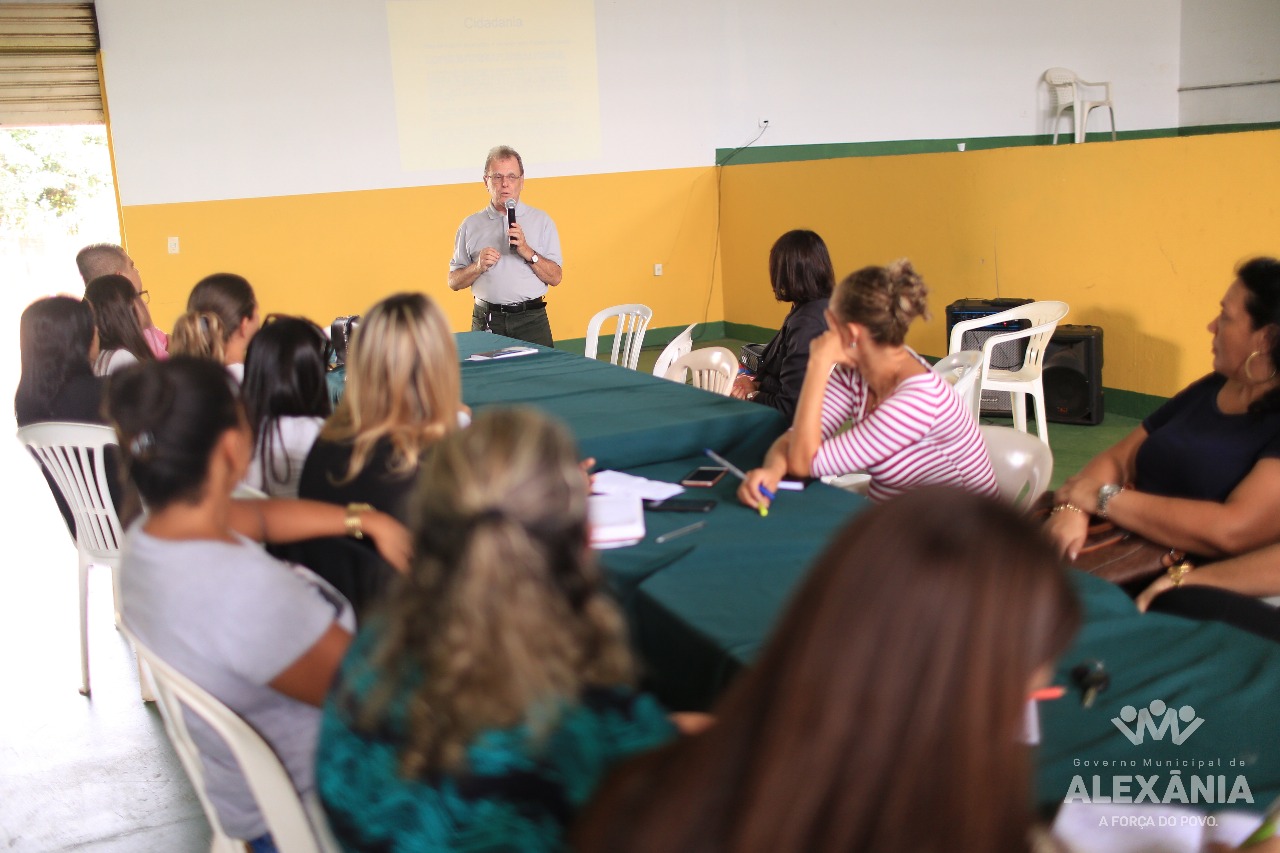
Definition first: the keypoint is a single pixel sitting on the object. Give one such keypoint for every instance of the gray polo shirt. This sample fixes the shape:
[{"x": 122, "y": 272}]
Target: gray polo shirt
[{"x": 511, "y": 279}]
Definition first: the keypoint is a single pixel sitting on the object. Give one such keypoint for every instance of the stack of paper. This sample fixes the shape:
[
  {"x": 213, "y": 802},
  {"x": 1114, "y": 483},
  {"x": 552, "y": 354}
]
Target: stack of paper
[{"x": 615, "y": 520}]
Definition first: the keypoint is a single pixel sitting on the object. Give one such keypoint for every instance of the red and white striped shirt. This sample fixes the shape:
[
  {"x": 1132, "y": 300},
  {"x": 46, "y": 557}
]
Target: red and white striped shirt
[{"x": 921, "y": 434}]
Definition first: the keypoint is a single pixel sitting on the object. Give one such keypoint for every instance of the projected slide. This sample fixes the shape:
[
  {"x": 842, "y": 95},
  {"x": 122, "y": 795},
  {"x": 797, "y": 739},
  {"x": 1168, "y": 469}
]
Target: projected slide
[{"x": 469, "y": 76}]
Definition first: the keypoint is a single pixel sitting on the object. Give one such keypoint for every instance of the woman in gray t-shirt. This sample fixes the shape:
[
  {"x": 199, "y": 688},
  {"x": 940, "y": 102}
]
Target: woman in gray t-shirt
[{"x": 263, "y": 636}]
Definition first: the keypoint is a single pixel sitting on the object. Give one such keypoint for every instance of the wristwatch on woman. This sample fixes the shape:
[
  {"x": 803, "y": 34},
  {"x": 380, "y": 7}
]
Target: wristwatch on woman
[{"x": 1105, "y": 494}]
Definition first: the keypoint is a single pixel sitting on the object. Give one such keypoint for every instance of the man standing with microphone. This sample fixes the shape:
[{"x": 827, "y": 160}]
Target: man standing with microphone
[{"x": 509, "y": 254}]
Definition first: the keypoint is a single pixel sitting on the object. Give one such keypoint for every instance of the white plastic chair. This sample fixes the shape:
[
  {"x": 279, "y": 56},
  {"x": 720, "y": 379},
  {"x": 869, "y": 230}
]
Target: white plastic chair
[
  {"x": 681, "y": 344},
  {"x": 1065, "y": 94},
  {"x": 1022, "y": 381},
  {"x": 633, "y": 320},
  {"x": 74, "y": 454},
  {"x": 962, "y": 370},
  {"x": 711, "y": 369},
  {"x": 1023, "y": 465},
  {"x": 297, "y": 824}
]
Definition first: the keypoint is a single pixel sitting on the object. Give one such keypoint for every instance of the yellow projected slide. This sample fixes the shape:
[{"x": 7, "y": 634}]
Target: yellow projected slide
[{"x": 469, "y": 76}]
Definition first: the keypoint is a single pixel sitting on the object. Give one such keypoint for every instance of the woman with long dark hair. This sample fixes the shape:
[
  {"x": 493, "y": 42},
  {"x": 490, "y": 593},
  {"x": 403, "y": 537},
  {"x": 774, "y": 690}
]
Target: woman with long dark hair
[
  {"x": 59, "y": 342},
  {"x": 116, "y": 309},
  {"x": 885, "y": 713},
  {"x": 484, "y": 705},
  {"x": 263, "y": 636},
  {"x": 287, "y": 399}
]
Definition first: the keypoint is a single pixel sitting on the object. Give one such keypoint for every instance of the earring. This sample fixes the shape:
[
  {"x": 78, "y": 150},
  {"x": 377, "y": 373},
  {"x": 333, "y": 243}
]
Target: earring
[{"x": 1249, "y": 375}]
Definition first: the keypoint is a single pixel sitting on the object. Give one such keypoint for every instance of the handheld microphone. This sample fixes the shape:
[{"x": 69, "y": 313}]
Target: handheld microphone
[{"x": 511, "y": 217}]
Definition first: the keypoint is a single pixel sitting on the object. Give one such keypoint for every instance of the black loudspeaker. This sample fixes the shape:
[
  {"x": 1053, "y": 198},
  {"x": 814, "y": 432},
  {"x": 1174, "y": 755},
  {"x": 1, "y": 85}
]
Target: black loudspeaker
[
  {"x": 1004, "y": 357},
  {"x": 1073, "y": 376}
]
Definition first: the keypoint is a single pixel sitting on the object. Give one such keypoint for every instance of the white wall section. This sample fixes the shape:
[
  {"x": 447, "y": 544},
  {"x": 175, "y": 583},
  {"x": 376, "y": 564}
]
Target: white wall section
[{"x": 242, "y": 99}]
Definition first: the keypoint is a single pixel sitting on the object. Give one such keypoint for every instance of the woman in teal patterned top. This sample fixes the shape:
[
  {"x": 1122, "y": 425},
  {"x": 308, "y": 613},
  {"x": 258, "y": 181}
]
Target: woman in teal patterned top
[{"x": 485, "y": 705}]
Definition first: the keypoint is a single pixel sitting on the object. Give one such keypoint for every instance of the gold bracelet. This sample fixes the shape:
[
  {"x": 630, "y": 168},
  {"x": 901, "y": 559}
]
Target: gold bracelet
[
  {"x": 1179, "y": 571},
  {"x": 354, "y": 521},
  {"x": 1060, "y": 507}
]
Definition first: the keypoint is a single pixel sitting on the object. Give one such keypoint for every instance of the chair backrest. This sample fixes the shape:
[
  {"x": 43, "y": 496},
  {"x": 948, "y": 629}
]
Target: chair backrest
[
  {"x": 633, "y": 320},
  {"x": 1023, "y": 463},
  {"x": 296, "y": 825},
  {"x": 680, "y": 345},
  {"x": 711, "y": 369},
  {"x": 1062, "y": 87},
  {"x": 962, "y": 371},
  {"x": 74, "y": 454},
  {"x": 1043, "y": 317}
]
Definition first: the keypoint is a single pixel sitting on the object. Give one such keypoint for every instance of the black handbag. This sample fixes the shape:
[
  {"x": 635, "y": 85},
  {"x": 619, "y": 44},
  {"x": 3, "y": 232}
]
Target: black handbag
[{"x": 749, "y": 356}]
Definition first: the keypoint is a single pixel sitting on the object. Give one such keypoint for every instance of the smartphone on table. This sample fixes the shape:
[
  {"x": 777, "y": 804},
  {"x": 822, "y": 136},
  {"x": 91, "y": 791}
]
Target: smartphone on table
[{"x": 703, "y": 478}]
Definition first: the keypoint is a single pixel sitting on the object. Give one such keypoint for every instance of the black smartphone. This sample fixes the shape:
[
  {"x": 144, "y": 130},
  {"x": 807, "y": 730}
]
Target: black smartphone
[
  {"x": 680, "y": 505},
  {"x": 703, "y": 478}
]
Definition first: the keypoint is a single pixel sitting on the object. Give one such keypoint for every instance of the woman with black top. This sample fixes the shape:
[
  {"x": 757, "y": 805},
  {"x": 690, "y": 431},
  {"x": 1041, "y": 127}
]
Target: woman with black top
[
  {"x": 403, "y": 393},
  {"x": 59, "y": 343},
  {"x": 801, "y": 273}
]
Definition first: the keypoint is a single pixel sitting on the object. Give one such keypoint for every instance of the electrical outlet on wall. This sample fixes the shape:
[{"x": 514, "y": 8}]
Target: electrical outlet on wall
[
  {"x": 174, "y": 248},
  {"x": 657, "y": 269}
]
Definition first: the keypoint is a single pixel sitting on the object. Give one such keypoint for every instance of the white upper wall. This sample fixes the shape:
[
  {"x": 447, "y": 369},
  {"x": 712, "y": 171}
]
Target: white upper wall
[
  {"x": 240, "y": 99},
  {"x": 1226, "y": 43},
  {"x": 922, "y": 69}
]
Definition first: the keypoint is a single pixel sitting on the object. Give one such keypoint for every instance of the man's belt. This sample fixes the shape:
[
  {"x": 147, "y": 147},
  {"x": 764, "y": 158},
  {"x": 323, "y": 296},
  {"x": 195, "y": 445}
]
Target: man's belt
[{"x": 513, "y": 308}]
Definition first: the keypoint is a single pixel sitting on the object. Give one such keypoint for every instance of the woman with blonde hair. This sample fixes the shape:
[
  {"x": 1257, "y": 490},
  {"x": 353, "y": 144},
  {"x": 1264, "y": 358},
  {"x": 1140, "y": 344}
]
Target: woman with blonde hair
[
  {"x": 221, "y": 319},
  {"x": 403, "y": 393},
  {"x": 480, "y": 710},
  {"x": 908, "y": 427}
]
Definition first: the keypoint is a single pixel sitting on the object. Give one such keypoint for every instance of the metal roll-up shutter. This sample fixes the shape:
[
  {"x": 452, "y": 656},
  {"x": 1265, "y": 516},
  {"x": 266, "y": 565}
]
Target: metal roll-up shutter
[{"x": 49, "y": 64}]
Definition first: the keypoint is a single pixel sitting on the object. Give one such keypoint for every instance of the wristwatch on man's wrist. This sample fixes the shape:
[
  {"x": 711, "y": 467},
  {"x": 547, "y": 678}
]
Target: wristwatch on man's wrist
[
  {"x": 1105, "y": 494},
  {"x": 534, "y": 258}
]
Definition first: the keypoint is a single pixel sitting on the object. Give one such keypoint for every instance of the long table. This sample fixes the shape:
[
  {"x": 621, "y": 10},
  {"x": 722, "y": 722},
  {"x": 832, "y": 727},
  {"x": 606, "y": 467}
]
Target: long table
[{"x": 702, "y": 605}]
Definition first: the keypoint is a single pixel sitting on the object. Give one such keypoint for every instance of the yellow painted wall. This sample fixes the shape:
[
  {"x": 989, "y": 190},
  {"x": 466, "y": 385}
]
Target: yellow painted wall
[
  {"x": 1139, "y": 237},
  {"x": 330, "y": 254}
]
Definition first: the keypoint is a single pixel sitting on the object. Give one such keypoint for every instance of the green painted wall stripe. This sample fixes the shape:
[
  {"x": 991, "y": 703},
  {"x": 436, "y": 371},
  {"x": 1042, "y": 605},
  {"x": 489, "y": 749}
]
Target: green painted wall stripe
[{"x": 837, "y": 150}]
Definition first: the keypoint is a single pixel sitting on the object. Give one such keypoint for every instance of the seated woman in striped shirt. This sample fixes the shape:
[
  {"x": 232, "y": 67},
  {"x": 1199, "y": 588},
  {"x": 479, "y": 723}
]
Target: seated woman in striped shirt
[{"x": 907, "y": 426}]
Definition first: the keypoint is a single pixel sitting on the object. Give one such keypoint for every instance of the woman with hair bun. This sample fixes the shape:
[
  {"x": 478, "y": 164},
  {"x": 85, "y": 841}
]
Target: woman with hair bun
[
  {"x": 481, "y": 709},
  {"x": 263, "y": 636},
  {"x": 118, "y": 313},
  {"x": 221, "y": 319},
  {"x": 909, "y": 428}
]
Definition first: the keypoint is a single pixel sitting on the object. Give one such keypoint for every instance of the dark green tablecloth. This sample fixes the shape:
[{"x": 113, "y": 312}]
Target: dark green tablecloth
[
  {"x": 701, "y": 606},
  {"x": 621, "y": 417}
]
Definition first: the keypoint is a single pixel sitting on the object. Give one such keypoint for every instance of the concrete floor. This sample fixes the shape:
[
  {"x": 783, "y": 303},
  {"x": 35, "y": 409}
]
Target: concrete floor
[{"x": 76, "y": 773}]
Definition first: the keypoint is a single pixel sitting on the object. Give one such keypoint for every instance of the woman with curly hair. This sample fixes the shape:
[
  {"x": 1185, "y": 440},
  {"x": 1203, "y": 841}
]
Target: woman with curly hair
[{"x": 480, "y": 710}]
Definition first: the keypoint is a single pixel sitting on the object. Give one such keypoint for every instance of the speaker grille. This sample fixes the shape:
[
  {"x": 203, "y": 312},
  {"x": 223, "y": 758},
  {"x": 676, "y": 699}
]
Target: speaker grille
[{"x": 1006, "y": 356}]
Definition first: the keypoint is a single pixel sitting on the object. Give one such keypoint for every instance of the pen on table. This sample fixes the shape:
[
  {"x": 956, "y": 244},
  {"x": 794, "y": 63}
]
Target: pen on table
[
  {"x": 738, "y": 472},
  {"x": 1048, "y": 694},
  {"x": 1268, "y": 827},
  {"x": 680, "y": 531}
]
